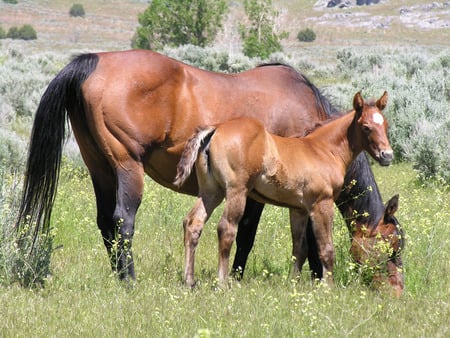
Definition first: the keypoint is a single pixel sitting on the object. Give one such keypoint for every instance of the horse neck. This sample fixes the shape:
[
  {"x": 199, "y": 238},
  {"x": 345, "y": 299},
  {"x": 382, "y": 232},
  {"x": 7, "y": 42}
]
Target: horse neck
[
  {"x": 360, "y": 201},
  {"x": 338, "y": 135}
]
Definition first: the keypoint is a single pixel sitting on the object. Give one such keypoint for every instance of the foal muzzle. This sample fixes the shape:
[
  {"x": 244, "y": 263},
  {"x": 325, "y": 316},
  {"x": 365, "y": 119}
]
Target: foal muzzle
[{"x": 386, "y": 157}]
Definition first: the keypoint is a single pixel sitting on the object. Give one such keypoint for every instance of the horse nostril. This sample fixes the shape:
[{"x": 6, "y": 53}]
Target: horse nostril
[{"x": 387, "y": 154}]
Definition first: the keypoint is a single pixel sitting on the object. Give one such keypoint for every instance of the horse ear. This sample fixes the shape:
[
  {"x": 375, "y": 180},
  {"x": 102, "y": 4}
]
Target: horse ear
[
  {"x": 382, "y": 101},
  {"x": 358, "y": 103},
  {"x": 391, "y": 207}
]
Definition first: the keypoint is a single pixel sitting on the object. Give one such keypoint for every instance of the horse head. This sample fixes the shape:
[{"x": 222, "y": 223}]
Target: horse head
[
  {"x": 379, "y": 249},
  {"x": 373, "y": 128}
]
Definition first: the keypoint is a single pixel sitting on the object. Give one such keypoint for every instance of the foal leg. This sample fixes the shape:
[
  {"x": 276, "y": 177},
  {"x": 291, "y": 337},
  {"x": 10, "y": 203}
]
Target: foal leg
[
  {"x": 193, "y": 226},
  {"x": 245, "y": 237},
  {"x": 130, "y": 184},
  {"x": 322, "y": 221},
  {"x": 227, "y": 228},
  {"x": 313, "y": 255},
  {"x": 298, "y": 219}
]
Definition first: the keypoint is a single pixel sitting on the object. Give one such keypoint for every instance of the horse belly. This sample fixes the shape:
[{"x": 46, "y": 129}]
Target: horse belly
[
  {"x": 161, "y": 166},
  {"x": 267, "y": 190}
]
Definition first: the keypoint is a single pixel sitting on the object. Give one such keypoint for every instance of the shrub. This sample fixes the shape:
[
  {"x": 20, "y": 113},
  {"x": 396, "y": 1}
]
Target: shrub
[
  {"x": 417, "y": 111},
  {"x": 12, "y": 151},
  {"x": 14, "y": 2},
  {"x": 13, "y": 33},
  {"x": 2, "y": 33},
  {"x": 306, "y": 35},
  {"x": 77, "y": 10},
  {"x": 27, "y": 32},
  {"x": 22, "y": 260},
  {"x": 210, "y": 58}
]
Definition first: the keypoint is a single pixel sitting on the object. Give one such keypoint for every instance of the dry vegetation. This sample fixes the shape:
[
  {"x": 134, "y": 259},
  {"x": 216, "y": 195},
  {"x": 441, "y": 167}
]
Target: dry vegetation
[{"x": 109, "y": 25}]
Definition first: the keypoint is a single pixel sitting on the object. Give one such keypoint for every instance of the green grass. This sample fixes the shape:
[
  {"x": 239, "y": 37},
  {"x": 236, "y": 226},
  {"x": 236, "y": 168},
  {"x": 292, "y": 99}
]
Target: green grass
[{"x": 82, "y": 297}]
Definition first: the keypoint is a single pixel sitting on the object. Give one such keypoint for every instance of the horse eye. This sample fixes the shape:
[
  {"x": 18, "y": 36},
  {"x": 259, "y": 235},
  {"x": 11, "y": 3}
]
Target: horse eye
[{"x": 366, "y": 129}]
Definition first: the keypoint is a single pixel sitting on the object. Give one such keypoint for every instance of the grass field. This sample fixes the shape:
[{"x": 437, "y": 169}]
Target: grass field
[{"x": 83, "y": 298}]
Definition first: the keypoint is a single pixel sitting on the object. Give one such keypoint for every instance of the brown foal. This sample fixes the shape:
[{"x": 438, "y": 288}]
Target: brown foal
[{"x": 240, "y": 158}]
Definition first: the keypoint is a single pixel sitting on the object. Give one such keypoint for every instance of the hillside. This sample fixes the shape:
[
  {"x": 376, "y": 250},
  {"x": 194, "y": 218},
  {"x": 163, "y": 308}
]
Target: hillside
[{"x": 109, "y": 25}]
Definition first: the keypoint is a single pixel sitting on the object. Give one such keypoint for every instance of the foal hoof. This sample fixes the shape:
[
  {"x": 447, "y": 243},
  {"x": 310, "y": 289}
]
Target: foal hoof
[{"x": 191, "y": 284}]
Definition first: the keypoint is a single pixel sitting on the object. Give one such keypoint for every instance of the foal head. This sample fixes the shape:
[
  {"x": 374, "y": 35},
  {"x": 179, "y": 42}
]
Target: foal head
[
  {"x": 372, "y": 128},
  {"x": 378, "y": 249}
]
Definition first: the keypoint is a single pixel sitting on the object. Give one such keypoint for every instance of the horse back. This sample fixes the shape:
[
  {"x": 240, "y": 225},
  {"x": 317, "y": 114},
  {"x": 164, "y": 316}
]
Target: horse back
[
  {"x": 143, "y": 106},
  {"x": 238, "y": 152}
]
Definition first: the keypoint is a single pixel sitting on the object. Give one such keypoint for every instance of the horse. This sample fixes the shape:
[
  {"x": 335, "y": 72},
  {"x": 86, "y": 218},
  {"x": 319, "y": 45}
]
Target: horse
[
  {"x": 131, "y": 112},
  {"x": 240, "y": 158},
  {"x": 379, "y": 248},
  {"x": 369, "y": 223}
]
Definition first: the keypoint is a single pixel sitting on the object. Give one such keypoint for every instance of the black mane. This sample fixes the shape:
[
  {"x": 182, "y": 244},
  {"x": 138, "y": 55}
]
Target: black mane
[{"x": 361, "y": 193}]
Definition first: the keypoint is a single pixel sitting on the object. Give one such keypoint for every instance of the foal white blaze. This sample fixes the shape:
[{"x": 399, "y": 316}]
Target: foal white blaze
[{"x": 378, "y": 118}]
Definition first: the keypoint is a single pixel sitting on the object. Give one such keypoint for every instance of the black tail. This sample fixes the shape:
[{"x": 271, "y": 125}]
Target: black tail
[{"x": 46, "y": 143}]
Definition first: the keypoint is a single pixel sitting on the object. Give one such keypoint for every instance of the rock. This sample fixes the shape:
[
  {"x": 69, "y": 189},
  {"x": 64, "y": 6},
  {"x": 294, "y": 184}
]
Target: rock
[{"x": 345, "y": 3}]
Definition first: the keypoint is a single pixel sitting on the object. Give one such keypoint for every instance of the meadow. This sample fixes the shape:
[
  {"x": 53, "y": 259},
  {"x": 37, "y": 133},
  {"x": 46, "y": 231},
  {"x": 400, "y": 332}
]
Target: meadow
[{"x": 82, "y": 297}]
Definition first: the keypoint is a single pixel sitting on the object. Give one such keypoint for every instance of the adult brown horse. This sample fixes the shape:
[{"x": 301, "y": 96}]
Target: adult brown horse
[
  {"x": 131, "y": 112},
  {"x": 239, "y": 158}
]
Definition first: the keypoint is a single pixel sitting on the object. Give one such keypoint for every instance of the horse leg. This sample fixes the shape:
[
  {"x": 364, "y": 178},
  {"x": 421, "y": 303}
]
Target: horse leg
[
  {"x": 322, "y": 220},
  {"x": 245, "y": 237},
  {"x": 130, "y": 184},
  {"x": 298, "y": 219},
  {"x": 313, "y": 256},
  {"x": 227, "y": 228},
  {"x": 193, "y": 226},
  {"x": 105, "y": 194}
]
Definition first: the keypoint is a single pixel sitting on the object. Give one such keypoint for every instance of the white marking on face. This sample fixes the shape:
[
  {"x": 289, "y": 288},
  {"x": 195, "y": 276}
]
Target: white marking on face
[{"x": 378, "y": 118}]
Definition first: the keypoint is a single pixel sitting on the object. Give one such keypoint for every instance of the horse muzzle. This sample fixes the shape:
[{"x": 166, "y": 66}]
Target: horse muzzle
[{"x": 385, "y": 157}]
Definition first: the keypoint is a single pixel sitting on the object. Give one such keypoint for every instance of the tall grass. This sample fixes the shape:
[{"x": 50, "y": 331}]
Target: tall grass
[
  {"x": 82, "y": 297},
  {"x": 23, "y": 260}
]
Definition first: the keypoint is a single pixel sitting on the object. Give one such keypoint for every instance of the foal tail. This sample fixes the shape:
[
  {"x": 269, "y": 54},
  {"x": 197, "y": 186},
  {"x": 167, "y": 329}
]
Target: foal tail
[
  {"x": 47, "y": 139},
  {"x": 198, "y": 142}
]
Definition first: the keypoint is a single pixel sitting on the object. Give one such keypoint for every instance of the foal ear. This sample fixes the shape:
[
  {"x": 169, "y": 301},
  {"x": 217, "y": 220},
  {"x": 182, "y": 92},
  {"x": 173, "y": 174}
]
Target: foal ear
[
  {"x": 391, "y": 207},
  {"x": 358, "y": 102},
  {"x": 382, "y": 101}
]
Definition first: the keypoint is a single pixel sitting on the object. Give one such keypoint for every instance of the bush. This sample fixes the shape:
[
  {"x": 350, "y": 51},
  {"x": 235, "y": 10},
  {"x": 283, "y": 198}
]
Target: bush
[
  {"x": 13, "y": 33},
  {"x": 77, "y": 10},
  {"x": 22, "y": 260},
  {"x": 26, "y": 32},
  {"x": 417, "y": 110},
  {"x": 12, "y": 151},
  {"x": 14, "y": 2},
  {"x": 210, "y": 58},
  {"x": 306, "y": 35},
  {"x": 2, "y": 33}
]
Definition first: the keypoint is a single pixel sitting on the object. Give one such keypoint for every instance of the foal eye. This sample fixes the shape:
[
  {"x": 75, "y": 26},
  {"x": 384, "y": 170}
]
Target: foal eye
[{"x": 366, "y": 129}]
